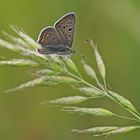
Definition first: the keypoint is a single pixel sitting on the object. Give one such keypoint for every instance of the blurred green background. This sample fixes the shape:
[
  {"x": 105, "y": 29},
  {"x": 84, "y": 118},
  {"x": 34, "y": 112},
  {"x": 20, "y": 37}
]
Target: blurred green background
[{"x": 113, "y": 25}]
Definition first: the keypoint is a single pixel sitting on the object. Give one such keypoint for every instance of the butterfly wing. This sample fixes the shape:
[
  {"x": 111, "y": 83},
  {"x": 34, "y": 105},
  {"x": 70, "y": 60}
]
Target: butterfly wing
[
  {"x": 65, "y": 28},
  {"x": 49, "y": 37}
]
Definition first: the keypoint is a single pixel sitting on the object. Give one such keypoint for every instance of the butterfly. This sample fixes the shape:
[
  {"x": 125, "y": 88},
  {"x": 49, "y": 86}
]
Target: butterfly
[{"x": 58, "y": 39}]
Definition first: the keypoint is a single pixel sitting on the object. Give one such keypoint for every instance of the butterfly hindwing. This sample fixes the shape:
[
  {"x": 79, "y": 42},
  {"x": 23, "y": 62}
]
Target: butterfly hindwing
[
  {"x": 65, "y": 28},
  {"x": 49, "y": 36}
]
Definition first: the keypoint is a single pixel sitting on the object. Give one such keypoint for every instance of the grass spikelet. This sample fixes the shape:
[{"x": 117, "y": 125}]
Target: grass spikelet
[
  {"x": 106, "y": 130},
  {"x": 19, "y": 62},
  {"x": 89, "y": 71},
  {"x": 62, "y": 79},
  {"x": 15, "y": 40},
  {"x": 91, "y": 91},
  {"x": 66, "y": 100},
  {"x": 90, "y": 111},
  {"x": 7, "y": 45},
  {"x": 96, "y": 130},
  {"x": 118, "y": 130},
  {"x": 46, "y": 72},
  {"x": 31, "y": 43},
  {"x": 99, "y": 60},
  {"x": 125, "y": 103},
  {"x": 72, "y": 66},
  {"x": 32, "y": 83}
]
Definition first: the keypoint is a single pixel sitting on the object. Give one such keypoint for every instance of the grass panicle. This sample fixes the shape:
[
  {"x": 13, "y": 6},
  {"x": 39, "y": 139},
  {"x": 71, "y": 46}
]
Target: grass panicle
[{"x": 55, "y": 70}]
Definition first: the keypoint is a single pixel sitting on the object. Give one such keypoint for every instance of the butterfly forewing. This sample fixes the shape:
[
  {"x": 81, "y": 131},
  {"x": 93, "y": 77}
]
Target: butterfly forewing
[
  {"x": 49, "y": 36},
  {"x": 65, "y": 28}
]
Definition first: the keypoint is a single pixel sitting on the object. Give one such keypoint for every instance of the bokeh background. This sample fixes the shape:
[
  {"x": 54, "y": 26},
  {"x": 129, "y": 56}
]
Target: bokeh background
[{"x": 113, "y": 25}]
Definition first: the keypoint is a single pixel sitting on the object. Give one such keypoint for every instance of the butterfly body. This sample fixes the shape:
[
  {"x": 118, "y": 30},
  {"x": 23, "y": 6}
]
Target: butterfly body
[
  {"x": 58, "y": 39},
  {"x": 59, "y": 50}
]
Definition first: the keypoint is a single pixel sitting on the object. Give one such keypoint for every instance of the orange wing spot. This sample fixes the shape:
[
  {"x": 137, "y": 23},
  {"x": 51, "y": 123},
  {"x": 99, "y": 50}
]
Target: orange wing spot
[{"x": 42, "y": 40}]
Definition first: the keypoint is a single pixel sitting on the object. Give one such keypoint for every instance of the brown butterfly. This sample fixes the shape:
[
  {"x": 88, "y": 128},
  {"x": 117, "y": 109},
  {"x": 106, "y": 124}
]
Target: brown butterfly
[{"x": 58, "y": 39}]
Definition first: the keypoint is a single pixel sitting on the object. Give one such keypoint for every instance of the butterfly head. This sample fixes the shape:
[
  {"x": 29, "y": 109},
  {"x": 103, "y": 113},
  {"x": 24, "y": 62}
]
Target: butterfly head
[{"x": 41, "y": 50}]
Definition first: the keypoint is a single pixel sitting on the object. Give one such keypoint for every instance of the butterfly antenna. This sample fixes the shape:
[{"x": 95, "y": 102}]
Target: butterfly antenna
[{"x": 81, "y": 55}]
